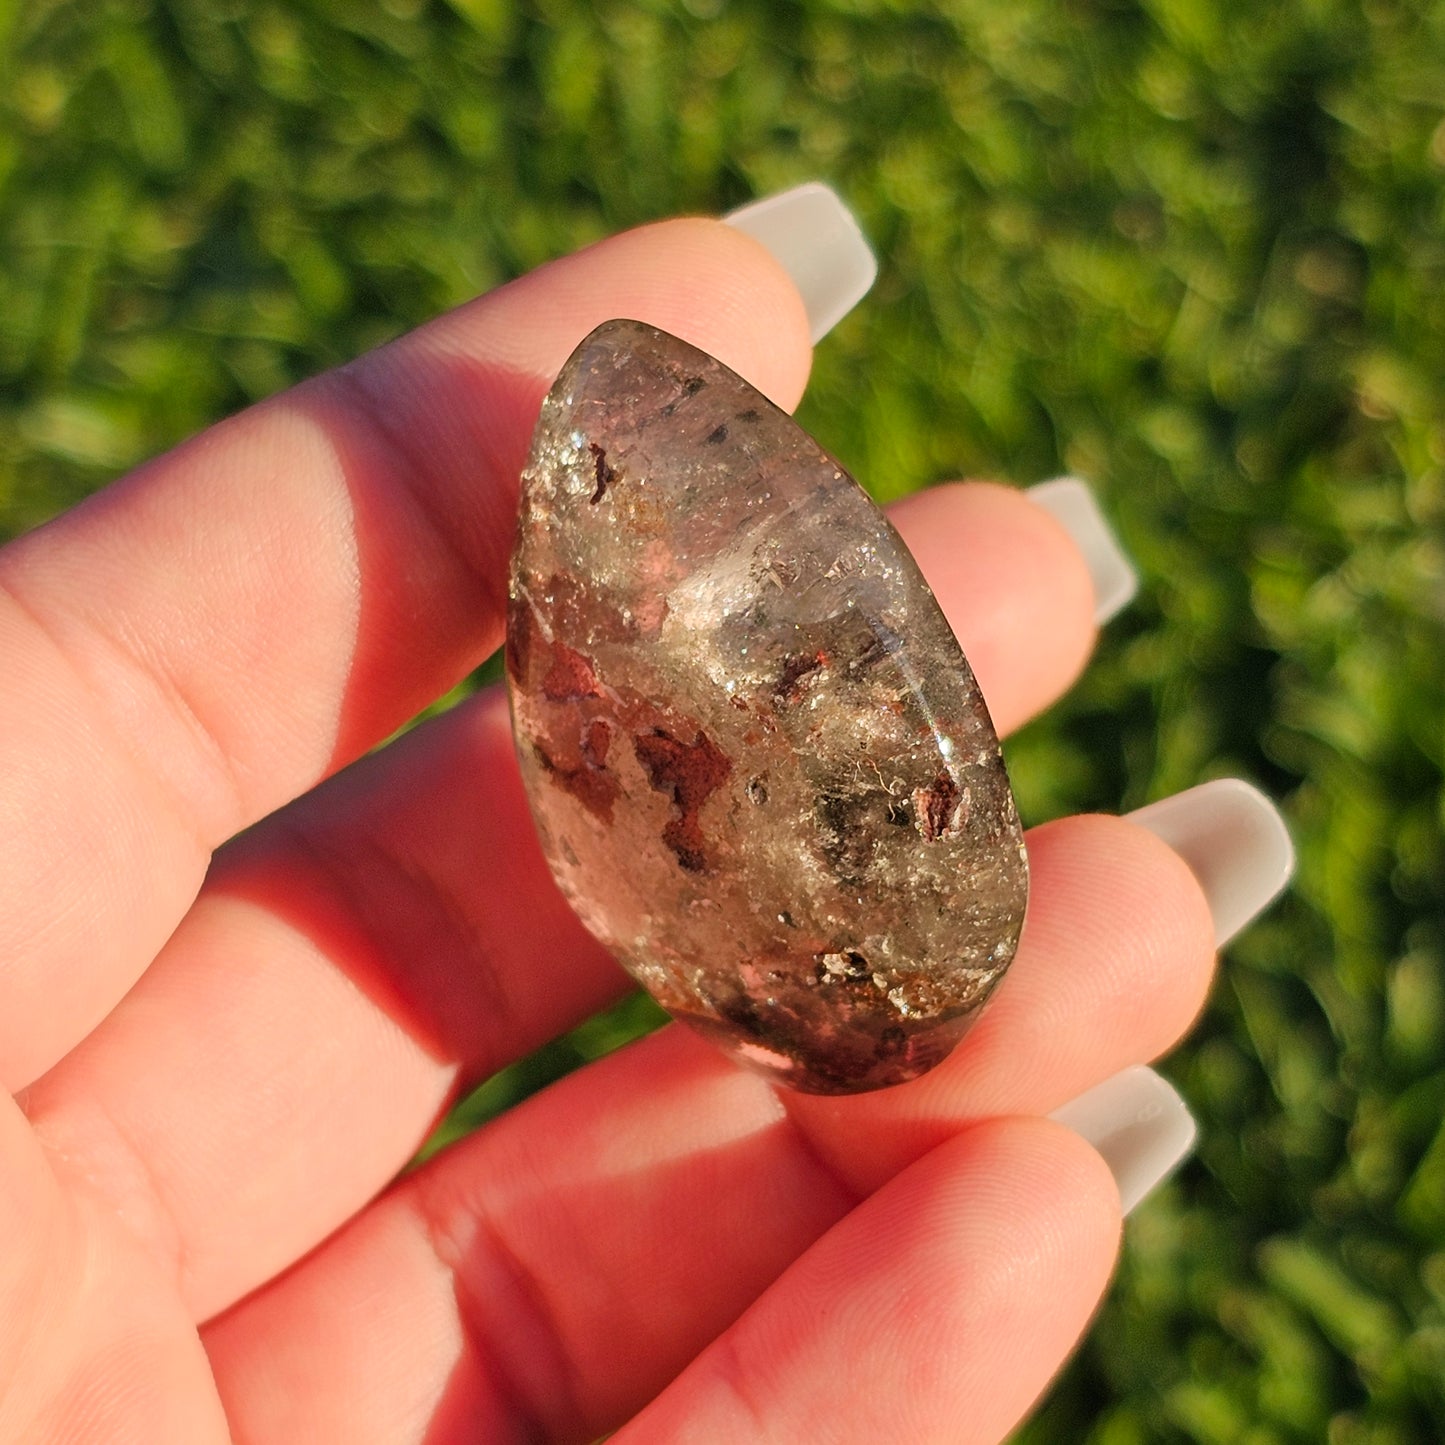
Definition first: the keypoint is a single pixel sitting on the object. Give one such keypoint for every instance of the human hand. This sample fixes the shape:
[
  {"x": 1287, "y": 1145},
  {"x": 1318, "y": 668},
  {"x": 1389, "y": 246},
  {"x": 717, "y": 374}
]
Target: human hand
[{"x": 221, "y": 1065}]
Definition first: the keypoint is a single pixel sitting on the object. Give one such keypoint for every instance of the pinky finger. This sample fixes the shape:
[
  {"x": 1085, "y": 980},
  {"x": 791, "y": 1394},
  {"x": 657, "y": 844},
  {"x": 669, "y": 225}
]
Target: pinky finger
[{"x": 938, "y": 1310}]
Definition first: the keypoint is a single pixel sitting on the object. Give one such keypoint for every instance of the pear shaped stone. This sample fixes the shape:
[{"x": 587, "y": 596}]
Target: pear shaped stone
[{"x": 760, "y": 766}]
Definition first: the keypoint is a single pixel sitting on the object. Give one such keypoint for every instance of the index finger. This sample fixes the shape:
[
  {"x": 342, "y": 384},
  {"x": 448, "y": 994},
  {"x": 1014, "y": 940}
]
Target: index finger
[{"x": 206, "y": 639}]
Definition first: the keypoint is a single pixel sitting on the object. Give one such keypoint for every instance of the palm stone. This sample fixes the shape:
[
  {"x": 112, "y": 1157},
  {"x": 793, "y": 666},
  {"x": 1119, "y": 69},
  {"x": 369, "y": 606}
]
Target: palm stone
[{"x": 760, "y": 766}]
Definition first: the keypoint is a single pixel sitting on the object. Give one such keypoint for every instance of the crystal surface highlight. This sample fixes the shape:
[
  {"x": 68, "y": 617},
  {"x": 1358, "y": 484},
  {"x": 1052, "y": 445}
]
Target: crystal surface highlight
[{"x": 760, "y": 766}]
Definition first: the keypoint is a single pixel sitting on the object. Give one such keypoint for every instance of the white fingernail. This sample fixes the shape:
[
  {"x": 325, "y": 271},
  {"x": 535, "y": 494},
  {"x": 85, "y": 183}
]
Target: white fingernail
[
  {"x": 1139, "y": 1124},
  {"x": 1233, "y": 839},
  {"x": 815, "y": 237},
  {"x": 1073, "y": 503}
]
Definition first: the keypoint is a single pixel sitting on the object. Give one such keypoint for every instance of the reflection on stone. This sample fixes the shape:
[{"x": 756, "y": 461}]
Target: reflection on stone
[{"x": 760, "y": 766}]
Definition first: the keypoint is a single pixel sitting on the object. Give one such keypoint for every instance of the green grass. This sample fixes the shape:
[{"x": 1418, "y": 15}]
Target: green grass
[{"x": 1193, "y": 251}]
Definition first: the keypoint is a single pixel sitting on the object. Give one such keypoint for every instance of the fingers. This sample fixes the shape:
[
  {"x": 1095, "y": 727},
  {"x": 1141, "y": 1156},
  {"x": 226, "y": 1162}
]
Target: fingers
[
  {"x": 643, "y": 1179},
  {"x": 550, "y": 1275},
  {"x": 205, "y": 639},
  {"x": 363, "y": 952},
  {"x": 31, "y": 1218},
  {"x": 1108, "y": 977},
  {"x": 88, "y": 1344},
  {"x": 953, "y": 1294},
  {"x": 347, "y": 965},
  {"x": 1115, "y": 960},
  {"x": 1013, "y": 584}
]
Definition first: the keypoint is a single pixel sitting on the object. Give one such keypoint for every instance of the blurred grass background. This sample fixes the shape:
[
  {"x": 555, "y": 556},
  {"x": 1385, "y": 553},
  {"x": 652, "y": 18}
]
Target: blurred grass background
[{"x": 1193, "y": 251}]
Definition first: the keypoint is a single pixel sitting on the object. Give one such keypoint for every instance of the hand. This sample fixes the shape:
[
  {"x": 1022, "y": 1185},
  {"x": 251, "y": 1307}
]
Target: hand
[{"x": 223, "y": 1063}]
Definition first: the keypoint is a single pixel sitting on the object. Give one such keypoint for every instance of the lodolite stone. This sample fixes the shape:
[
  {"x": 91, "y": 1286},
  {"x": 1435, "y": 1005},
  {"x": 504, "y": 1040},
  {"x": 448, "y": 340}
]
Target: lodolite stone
[{"x": 759, "y": 764}]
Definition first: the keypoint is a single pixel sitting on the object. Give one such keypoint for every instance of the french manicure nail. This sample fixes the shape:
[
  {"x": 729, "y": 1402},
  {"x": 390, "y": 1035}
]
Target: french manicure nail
[
  {"x": 818, "y": 243},
  {"x": 1139, "y": 1124},
  {"x": 1073, "y": 503},
  {"x": 1235, "y": 842}
]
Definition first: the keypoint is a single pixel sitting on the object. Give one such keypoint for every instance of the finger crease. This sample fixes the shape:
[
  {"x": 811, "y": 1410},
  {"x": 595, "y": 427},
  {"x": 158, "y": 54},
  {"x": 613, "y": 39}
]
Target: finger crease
[
  {"x": 507, "y": 1322},
  {"x": 117, "y": 1175},
  {"x": 372, "y": 413},
  {"x": 737, "y": 1377},
  {"x": 217, "y": 766}
]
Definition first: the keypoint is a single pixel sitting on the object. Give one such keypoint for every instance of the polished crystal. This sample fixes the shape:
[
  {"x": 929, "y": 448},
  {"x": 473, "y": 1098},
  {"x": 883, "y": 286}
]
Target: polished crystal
[{"x": 760, "y": 766}]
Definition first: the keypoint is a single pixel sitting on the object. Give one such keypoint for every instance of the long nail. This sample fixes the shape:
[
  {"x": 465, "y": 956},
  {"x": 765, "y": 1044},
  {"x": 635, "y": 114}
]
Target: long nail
[
  {"x": 1073, "y": 503},
  {"x": 817, "y": 240},
  {"x": 1139, "y": 1124},
  {"x": 1234, "y": 840}
]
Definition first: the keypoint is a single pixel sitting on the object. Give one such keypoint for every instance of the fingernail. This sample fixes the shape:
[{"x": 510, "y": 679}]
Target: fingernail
[
  {"x": 818, "y": 242},
  {"x": 1234, "y": 840},
  {"x": 1073, "y": 503},
  {"x": 1139, "y": 1124}
]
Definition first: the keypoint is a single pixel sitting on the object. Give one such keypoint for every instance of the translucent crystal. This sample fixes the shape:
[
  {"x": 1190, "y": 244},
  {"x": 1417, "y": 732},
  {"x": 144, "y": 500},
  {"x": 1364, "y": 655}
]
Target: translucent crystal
[{"x": 760, "y": 766}]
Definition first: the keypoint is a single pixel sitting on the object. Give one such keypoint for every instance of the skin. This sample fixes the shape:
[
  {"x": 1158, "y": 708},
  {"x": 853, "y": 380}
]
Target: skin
[{"x": 219, "y": 1063}]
